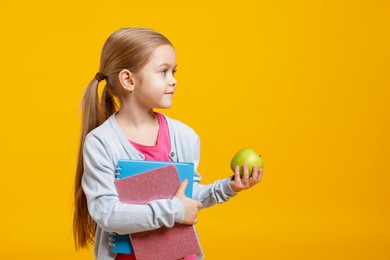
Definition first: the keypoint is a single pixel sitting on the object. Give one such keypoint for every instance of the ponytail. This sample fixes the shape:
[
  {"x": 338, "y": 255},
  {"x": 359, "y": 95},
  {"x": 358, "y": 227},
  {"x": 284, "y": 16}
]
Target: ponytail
[
  {"x": 93, "y": 114},
  {"x": 108, "y": 104}
]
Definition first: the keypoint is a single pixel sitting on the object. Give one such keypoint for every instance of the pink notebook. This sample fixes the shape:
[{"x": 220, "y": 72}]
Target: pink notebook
[{"x": 163, "y": 243}]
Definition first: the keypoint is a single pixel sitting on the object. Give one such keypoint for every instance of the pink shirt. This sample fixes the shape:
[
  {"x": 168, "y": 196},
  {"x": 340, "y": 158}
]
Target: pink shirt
[{"x": 158, "y": 152}]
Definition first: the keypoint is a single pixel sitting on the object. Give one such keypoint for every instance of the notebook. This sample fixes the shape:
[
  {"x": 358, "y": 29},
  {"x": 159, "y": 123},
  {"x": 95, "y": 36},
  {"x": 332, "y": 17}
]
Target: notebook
[{"x": 126, "y": 168}]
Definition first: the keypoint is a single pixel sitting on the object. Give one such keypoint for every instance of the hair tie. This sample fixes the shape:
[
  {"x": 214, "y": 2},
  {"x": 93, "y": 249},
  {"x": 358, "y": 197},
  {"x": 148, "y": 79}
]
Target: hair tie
[{"x": 100, "y": 76}]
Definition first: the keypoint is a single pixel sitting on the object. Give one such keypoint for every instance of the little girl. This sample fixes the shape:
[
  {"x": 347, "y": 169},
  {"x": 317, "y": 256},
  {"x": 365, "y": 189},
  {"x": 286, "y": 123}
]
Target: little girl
[{"x": 138, "y": 66}]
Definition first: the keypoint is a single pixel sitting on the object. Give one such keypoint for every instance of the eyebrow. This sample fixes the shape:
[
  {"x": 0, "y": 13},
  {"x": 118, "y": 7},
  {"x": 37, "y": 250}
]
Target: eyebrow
[{"x": 167, "y": 65}]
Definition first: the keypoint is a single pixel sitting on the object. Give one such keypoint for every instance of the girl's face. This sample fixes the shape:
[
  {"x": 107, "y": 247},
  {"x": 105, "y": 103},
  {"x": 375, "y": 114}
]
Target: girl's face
[{"x": 155, "y": 83}]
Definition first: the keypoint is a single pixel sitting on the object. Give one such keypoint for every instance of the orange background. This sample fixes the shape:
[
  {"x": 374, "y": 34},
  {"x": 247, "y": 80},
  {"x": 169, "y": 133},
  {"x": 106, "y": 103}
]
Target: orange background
[{"x": 305, "y": 83}]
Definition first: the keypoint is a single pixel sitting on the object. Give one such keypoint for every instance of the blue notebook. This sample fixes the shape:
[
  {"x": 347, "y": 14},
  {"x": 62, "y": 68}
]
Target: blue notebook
[{"x": 126, "y": 168}]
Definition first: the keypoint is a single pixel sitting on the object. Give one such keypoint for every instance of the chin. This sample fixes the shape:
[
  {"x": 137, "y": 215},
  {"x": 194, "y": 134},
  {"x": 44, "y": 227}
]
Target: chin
[{"x": 164, "y": 106}]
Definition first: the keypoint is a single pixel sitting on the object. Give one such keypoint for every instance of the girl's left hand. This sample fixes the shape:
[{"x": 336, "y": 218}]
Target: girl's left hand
[{"x": 245, "y": 182}]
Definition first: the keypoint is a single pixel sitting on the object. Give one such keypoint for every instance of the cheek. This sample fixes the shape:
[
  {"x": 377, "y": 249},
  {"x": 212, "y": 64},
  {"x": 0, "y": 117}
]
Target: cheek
[
  {"x": 158, "y": 84},
  {"x": 155, "y": 80}
]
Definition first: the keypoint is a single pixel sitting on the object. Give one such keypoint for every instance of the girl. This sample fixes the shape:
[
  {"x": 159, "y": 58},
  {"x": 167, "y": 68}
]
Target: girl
[{"x": 138, "y": 66}]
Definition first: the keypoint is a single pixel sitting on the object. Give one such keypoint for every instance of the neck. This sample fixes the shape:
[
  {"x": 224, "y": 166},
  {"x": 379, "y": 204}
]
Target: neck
[
  {"x": 138, "y": 125},
  {"x": 135, "y": 117}
]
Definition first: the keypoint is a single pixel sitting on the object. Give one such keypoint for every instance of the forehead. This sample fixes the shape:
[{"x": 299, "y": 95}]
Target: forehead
[{"x": 164, "y": 54}]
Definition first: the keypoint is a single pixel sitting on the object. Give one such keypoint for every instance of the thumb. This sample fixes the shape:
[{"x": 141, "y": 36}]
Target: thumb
[{"x": 182, "y": 187}]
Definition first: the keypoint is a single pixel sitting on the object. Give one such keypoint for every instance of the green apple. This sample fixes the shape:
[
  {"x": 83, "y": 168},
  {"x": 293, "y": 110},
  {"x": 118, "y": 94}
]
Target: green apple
[{"x": 246, "y": 156}]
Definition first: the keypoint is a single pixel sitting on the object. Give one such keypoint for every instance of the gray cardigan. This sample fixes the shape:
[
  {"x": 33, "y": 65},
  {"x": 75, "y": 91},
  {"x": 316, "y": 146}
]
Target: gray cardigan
[{"x": 103, "y": 147}]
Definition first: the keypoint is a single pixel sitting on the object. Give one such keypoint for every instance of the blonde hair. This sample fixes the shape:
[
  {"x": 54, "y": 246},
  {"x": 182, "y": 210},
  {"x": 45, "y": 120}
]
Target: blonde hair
[{"x": 127, "y": 48}]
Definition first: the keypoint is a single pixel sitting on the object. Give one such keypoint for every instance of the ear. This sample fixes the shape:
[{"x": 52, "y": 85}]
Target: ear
[{"x": 126, "y": 79}]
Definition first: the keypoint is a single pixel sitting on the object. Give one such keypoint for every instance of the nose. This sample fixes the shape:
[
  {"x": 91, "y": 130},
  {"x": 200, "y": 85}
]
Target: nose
[{"x": 173, "y": 82}]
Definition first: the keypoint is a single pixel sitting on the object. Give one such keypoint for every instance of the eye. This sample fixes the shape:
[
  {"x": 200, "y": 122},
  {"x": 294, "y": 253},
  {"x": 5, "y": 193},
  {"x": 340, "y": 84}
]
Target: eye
[
  {"x": 174, "y": 72},
  {"x": 164, "y": 72}
]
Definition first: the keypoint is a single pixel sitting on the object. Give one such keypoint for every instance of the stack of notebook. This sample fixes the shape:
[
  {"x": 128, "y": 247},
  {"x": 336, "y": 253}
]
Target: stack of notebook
[{"x": 139, "y": 182}]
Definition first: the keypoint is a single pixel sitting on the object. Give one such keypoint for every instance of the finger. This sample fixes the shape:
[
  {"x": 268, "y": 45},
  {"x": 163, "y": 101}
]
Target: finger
[
  {"x": 182, "y": 187},
  {"x": 260, "y": 174},
  {"x": 255, "y": 172},
  {"x": 237, "y": 173},
  {"x": 258, "y": 177},
  {"x": 200, "y": 205},
  {"x": 253, "y": 180},
  {"x": 245, "y": 175}
]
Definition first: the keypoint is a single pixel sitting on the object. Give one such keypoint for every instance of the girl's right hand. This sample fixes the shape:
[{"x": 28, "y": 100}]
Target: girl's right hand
[{"x": 191, "y": 206}]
